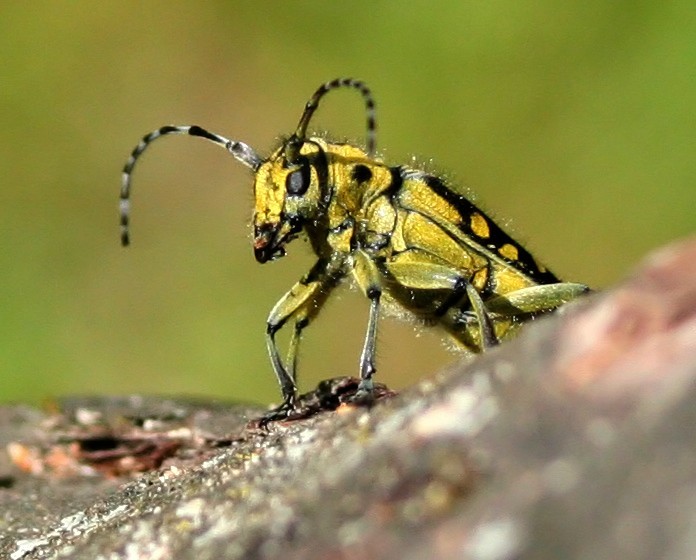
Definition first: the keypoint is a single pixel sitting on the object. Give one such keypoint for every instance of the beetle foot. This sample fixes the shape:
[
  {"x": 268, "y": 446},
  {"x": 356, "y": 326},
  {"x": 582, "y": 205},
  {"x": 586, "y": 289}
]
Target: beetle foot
[
  {"x": 365, "y": 395},
  {"x": 282, "y": 412}
]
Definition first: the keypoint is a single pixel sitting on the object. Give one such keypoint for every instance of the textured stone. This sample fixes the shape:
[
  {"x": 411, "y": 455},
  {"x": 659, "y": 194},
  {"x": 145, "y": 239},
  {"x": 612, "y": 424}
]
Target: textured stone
[{"x": 576, "y": 440}]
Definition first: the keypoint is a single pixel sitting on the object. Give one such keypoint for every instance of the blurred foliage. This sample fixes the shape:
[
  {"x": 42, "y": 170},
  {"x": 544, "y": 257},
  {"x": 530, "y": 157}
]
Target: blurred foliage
[{"x": 575, "y": 120}]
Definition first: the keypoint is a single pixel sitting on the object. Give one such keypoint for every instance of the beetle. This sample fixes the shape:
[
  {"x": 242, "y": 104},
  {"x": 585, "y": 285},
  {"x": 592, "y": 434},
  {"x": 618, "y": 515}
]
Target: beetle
[{"x": 409, "y": 240}]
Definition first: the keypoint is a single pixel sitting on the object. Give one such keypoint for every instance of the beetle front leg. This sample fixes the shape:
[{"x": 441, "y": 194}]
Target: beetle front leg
[
  {"x": 285, "y": 378},
  {"x": 291, "y": 358},
  {"x": 300, "y": 305}
]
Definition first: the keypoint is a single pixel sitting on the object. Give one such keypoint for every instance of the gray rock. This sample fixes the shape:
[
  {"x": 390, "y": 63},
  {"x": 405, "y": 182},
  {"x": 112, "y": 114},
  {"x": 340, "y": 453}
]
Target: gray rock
[{"x": 576, "y": 440}]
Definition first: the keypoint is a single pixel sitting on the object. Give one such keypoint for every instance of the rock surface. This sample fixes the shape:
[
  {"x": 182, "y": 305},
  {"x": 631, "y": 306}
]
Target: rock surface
[{"x": 576, "y": 440}]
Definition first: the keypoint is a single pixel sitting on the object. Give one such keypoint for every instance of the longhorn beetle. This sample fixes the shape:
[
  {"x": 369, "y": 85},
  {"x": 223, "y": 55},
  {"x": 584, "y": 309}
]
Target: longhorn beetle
[{"x": 408, "y": 239}]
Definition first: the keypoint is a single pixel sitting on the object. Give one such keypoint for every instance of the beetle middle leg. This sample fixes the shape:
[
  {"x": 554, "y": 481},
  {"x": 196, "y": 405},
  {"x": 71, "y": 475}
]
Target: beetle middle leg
[{"x": 369, "y": 278}]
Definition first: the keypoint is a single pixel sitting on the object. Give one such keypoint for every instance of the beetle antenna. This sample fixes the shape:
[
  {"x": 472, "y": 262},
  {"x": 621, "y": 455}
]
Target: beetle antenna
[
  {"x": 313, "y": 104},
  {"x": 241, "y": 152}
]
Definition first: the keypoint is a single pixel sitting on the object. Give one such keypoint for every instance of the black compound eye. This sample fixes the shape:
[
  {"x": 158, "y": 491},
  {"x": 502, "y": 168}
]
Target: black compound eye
[{"x": 297, "y": 181}]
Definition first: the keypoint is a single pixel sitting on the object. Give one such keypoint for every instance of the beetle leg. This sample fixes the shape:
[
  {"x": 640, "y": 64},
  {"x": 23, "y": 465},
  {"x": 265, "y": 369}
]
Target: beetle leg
[
  {"x": 301, "y": 304},
  {"x": 464, "y": 289},
  {"x": 369, "y": 278},
  {"x": 414, "y": 270},
  {"x": 454, "y": 299},
  {"x": 291, "y": 359},
  {"x": 485, "y": 324},
  {"x": 504, "y": 312},
  {"x": 367, "y": 357},
  {"x": 536, "y": 299}
]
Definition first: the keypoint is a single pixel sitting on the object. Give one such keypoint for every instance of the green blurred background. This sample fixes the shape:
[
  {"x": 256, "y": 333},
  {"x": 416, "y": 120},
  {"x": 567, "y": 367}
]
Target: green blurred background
[{"x": 573, "y": 122}]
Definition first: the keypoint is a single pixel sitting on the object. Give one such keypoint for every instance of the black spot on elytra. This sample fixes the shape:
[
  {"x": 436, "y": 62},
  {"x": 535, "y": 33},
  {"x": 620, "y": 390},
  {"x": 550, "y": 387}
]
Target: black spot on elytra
[{"x": 362, "y": 173}]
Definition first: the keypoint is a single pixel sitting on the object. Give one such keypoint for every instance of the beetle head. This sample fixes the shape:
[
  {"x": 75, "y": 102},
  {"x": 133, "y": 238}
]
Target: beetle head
[{"x": 287, "y": 193}]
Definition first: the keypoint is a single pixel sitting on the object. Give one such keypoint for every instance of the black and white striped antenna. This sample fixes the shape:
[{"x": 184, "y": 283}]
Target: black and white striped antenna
[{"x": 241, "y": 152}]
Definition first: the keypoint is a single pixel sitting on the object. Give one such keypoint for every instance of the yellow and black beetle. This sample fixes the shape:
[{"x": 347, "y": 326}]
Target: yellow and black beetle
[{"x": 407, "y": 238}]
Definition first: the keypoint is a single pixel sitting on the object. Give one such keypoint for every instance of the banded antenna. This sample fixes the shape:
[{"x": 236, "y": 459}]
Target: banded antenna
[
  {"x": 241, "y": 152},
  {"x": 313, "y": 104}
]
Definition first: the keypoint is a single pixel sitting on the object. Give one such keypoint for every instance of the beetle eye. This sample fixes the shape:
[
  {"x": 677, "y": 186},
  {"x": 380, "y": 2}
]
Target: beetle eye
[{"x": 297, "y": 181}]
